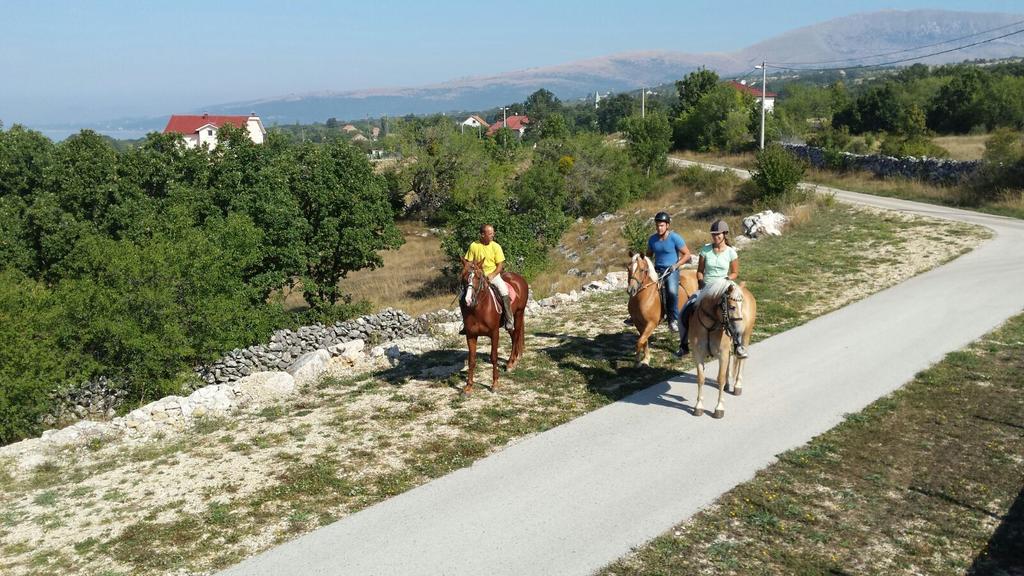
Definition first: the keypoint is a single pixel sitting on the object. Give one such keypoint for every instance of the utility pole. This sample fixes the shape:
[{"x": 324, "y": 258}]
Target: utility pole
[
  {"x": 643, "y": 102},
  {"x": 764, "y": 92}
]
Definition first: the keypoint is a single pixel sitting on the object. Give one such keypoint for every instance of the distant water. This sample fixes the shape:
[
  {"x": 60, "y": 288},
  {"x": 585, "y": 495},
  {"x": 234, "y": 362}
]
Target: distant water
[{"x": 58, "y": 134}]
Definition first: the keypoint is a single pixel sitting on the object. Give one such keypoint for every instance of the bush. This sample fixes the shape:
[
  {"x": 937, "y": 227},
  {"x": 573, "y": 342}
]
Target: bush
[
  {"x": 636, "y": 231},
  {"x": 1003, "y": 168},
  {"x": 917, "y": 146},
  {"x": 775, "y": 179}
]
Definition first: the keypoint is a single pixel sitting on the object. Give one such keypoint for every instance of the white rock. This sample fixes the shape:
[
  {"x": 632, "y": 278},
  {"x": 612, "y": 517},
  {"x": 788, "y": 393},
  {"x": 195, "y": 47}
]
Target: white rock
[
  {"x": 261, "y": 387},
  {"x": 348, "y": 349},
  {"x": 616, "y": 279},
  {"x": 309, "y": 366},
  {"x": 767, "y": 222}
]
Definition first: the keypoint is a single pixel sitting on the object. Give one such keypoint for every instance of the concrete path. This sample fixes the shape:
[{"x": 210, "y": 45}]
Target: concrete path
[{"x": 575, "y": 498}]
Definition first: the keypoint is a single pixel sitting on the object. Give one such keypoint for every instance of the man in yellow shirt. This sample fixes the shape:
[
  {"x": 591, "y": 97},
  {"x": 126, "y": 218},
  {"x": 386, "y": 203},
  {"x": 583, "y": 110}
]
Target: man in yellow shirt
[{"x": 487, "y": 251}]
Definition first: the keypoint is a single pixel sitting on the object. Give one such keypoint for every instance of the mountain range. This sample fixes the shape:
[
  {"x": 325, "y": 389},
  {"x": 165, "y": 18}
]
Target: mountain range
[{"x": 846, "y": 41}]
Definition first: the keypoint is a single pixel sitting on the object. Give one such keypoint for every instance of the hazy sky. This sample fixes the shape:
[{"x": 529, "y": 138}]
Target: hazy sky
[{"x": 86, "y": 60}]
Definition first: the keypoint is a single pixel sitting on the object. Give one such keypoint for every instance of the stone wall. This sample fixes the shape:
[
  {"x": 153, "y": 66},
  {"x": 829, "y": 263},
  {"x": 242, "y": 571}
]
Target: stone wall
[
  {"x": 102, "y": 397},
  {"x": 932, "y": 170}
]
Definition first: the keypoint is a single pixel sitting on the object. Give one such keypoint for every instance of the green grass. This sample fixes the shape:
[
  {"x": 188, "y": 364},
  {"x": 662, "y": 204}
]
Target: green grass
[{"x": 925, "y": 481}]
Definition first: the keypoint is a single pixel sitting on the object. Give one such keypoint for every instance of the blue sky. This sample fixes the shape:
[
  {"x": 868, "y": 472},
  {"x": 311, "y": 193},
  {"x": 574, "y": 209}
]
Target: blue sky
[{"x": 88, "y": 60}]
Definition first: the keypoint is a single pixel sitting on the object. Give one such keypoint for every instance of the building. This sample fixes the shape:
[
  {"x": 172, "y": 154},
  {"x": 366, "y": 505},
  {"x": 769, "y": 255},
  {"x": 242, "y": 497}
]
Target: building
[
  {"x": 769, "y": 97},
  {"x": 474, "y": 121},
  {"x": 202, "y": 130},
  {"x": 516, "y": 124}
]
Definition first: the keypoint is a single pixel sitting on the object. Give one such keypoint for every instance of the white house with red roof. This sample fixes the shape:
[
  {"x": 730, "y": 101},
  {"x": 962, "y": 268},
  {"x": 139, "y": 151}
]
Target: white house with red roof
[
  {"x": 516, "y": 124},
  {"x": 201, "y": 130},
  {"x": 769, "y": 97}
]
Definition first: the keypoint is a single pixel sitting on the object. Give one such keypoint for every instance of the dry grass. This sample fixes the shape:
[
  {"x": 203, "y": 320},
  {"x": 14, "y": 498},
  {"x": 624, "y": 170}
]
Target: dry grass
[
  {"x": 970, "y": 147},
  {"x": 410, "y": 278}
]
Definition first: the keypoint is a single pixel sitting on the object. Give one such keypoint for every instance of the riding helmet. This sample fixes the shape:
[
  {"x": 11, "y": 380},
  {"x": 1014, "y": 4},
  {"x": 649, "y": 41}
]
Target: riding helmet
[
  {"x": 662, "y": 217},
  {"x": 719, "y": 226}
]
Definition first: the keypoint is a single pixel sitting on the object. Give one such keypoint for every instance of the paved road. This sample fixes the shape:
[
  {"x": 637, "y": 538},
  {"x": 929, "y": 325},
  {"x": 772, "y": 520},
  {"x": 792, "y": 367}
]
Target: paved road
[{"x": 577, "y": 497}]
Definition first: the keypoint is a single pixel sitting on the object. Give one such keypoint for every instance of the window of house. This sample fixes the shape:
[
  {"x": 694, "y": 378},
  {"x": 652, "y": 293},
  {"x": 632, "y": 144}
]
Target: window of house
[{"x": 209, "y": 132}]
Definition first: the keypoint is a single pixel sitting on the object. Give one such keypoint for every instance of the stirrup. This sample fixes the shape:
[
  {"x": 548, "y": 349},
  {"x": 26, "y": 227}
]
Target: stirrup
[{"x": 741, "y": 351}]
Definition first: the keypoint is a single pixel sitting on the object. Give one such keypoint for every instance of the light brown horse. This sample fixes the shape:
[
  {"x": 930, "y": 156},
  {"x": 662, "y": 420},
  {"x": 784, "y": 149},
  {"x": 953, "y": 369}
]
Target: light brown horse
[
  {"x": 480, "y": 317},
  {"x": 724, "y": 309},
  {"x": 645, "y": 307}
]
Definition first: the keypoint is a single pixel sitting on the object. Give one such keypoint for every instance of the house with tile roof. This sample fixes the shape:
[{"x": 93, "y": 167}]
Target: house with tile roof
[
  {"x": 516, "y": 124},
  {"x": 201, "y": 130},
  {"x": 769, "y": 97}
]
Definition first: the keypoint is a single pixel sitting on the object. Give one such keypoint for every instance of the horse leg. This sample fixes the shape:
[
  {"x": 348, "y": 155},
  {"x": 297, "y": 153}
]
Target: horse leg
[
  {"x": 698, "y": 406},
  {"x": 643, "y": 349},
  {"x": 724, "y": 356},
  {"x": 737, "y": 376},
  {"x": 495, "y": 339},
  {"x": 517, "y": 342},
  {"x": 471, "y": 344}
]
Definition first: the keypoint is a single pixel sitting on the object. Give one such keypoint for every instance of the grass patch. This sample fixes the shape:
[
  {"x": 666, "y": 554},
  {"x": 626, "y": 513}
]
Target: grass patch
[{"x": 924, "y": 481}]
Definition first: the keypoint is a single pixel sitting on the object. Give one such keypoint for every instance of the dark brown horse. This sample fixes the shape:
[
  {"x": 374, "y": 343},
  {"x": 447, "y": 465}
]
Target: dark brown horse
[
  {"x": 480, "y": 316},
  {"x": 645, "y": 304}
]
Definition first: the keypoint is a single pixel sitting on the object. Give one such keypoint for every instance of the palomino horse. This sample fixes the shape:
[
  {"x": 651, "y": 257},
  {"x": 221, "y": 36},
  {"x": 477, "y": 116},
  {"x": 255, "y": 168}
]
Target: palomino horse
[
  {"x": 480, "y": 316},
  {"x": 726, "y": 308},
  {"x": 645, "y": 300}
]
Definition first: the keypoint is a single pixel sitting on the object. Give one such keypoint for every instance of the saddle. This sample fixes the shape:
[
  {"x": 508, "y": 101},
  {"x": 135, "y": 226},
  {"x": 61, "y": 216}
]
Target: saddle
[{"x": 496, "y": 296}]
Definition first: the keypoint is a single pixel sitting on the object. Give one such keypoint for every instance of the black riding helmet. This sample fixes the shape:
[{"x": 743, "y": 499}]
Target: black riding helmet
[
  {"x": 719, "y": 226},
  {"x": 662, "y": 217}
]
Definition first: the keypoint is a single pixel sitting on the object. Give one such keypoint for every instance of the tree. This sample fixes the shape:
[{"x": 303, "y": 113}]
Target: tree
[
  {"x": 718, "y": 121},
  {"x": 695, "y": 86},
  {"x": 349, "y": 218},
  {"x": 611, "y": 110},
  {"x": 648, "y": 140},
  {"x": 540, "y": 106}
]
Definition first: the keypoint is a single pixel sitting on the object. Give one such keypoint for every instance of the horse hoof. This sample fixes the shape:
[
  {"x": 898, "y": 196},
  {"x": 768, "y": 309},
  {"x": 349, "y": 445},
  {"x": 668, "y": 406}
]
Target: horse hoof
[
  {"x": 737, "y": 391},
  {"x": 718, "y": 414},
  {"x": 698, "y": 412}
]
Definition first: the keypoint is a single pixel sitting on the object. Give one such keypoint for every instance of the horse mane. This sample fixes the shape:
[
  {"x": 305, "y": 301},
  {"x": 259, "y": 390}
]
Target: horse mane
[{"x": 715, "y": 291}]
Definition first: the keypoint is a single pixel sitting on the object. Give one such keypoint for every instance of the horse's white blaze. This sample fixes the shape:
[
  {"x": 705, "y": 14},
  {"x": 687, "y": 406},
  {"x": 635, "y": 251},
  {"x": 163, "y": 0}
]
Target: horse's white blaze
[{"x": 469, "y": 292}]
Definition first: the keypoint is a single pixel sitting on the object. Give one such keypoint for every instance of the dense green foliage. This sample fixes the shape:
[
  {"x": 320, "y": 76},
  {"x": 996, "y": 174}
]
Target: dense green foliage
[
  {"x": 952, "y": 100},
  {"x": 138, "y": 265},
  {"x": 775, "y": 178}
]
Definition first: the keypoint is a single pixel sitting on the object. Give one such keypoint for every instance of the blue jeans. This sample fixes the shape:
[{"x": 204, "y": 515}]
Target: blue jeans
[{"x": 671, "y": 291}]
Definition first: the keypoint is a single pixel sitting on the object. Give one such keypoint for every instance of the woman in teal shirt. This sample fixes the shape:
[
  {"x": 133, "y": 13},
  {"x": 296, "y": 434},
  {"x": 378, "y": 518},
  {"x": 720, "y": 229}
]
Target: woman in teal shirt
[{"x": 718, "y": 261}]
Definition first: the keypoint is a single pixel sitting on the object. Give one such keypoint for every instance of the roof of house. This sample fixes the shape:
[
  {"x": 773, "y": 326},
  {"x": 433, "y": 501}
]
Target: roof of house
[
  {"x": 479, "y": 120},
  {"x": 513, "y": 123},
  {"x": 190, "y": 124},
  {"x": 750, "y": 89}
]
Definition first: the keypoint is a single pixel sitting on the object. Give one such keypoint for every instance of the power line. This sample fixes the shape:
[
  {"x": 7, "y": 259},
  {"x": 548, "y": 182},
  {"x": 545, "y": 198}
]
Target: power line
[
  {"x": 891, "y": 62},
  {"x": 904, "y": 50}
]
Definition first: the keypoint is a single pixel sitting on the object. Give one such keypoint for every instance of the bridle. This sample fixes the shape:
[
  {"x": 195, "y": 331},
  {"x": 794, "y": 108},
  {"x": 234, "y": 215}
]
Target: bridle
[
  {"x": 476, "y": 280},
  {"x": 730, "y": 311},
  {"x": 640, "y": 284}
]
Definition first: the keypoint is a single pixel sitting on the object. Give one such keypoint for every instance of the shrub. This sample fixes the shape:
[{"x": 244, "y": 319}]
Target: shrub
[
  {"x": 775, "y": 179},
  {"x": 635, "y": 232},
  {"x": 1003, "y": 168}
]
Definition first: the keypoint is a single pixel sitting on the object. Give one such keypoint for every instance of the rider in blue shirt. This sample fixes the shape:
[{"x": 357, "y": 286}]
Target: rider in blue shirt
[{"x": 669, "y": 252}]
